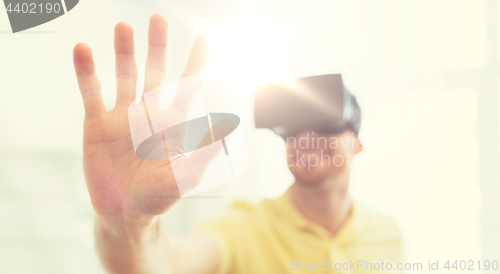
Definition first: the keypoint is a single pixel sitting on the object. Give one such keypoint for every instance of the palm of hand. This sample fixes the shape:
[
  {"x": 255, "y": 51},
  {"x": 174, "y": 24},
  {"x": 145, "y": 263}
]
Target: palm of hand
[{"x": 118, "y": 181}]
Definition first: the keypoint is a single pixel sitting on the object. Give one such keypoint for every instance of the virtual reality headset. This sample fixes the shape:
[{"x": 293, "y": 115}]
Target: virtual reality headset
[{"x": 320, "y": 104}]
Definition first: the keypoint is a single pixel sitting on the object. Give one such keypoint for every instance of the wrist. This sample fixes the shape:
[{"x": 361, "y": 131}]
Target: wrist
[{"x": 124, "y": 227}]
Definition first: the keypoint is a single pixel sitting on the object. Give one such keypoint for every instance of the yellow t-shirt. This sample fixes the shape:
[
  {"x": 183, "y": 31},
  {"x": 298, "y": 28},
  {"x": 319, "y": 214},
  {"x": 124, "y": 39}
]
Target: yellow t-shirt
[{"x": 273, "y": 237}]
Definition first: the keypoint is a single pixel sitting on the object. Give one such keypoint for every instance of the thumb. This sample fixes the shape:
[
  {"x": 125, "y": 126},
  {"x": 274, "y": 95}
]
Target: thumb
[
  {"x": 204, "y": 154},
  {"x": 189, "y": 173}
]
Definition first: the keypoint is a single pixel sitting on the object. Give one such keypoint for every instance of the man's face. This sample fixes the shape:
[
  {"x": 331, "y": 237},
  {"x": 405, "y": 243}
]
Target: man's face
[{"x": 314, "y": 158}]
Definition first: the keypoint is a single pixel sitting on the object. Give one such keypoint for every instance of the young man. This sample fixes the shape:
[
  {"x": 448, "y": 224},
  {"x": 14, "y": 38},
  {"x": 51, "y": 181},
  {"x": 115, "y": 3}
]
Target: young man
[{"x": 315, "y": 225}]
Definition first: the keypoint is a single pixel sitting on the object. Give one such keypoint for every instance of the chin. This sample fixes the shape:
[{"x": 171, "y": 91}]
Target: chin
[
  {"x": 309, "y": 177},
  {"x": 317, "y": 176}
]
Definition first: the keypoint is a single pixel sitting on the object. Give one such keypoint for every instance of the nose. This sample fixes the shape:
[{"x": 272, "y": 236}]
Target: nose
[
  {"x": 305, "y": 139},
  {"x": 311, "y": 140}
]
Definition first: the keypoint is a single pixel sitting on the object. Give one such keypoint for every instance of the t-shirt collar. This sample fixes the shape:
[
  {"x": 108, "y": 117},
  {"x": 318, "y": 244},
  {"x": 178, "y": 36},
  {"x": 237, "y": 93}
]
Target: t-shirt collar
[{"x": 292, "y": 215}]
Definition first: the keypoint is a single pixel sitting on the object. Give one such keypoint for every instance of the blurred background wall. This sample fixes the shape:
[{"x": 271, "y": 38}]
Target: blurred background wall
[{"x": 425, "y": 73}]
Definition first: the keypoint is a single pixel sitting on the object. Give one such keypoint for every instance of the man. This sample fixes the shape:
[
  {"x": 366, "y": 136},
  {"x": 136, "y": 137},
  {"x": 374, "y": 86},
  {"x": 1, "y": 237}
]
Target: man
[{"x": 315, "y": 225}]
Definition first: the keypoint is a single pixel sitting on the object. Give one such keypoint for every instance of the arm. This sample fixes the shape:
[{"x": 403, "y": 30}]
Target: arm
[
  {"x": 141, "y": 247},
  {"x": 127, "y": 192},
  {"x": 131, "y": 247}
]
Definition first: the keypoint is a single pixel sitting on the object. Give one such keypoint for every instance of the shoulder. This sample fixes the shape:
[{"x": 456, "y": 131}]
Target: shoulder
[
  {"x": 371, "y": 226},
  {"x": 372, "y": 219},
  {"x": 238, "y": 215}
]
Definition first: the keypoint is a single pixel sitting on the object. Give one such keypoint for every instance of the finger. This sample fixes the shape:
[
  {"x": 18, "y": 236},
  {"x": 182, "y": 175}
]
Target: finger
[
  {"x": 198, "y": 58},
  {"x": 200, "y": 158},
  {"x": 156, "y": 61},
  {"x": 192, "y": 169},
  {"x": 197, "y": 61},
  {"x": 126, "y": 68},
  {"x": 90, "y": 86}
]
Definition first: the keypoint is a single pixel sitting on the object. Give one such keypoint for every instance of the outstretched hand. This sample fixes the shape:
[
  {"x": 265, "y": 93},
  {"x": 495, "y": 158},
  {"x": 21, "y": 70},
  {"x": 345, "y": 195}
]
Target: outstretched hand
[{"x": 119, "y": 182}]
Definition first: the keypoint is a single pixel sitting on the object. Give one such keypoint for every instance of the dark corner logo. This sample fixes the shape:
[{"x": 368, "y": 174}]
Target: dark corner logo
[{"x": 25, "y": 14}]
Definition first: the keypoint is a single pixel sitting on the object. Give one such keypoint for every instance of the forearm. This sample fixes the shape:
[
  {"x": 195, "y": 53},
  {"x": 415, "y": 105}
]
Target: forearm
[{"x": 131, "y": 247}]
